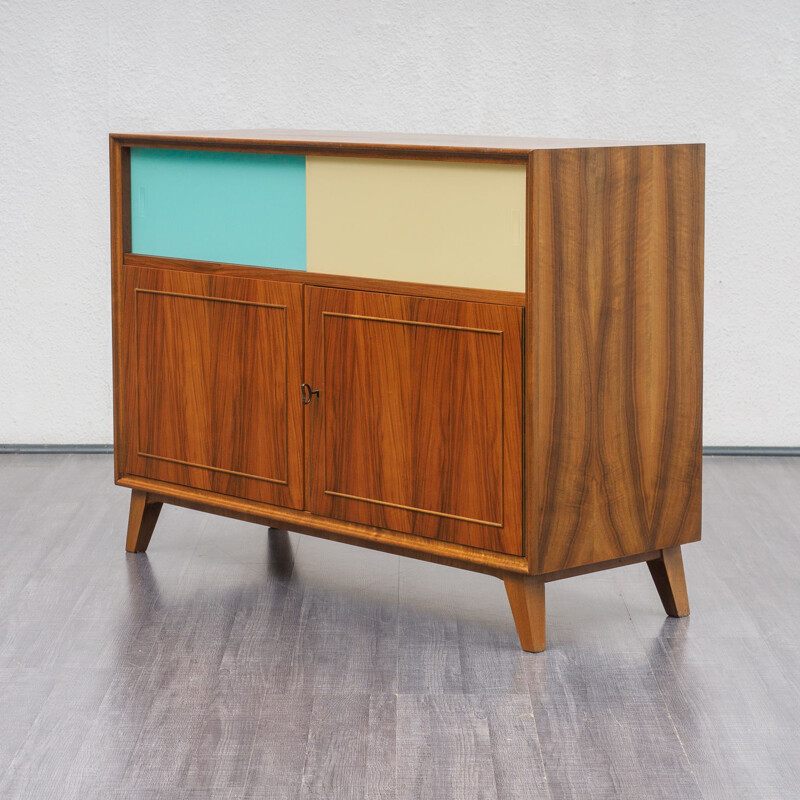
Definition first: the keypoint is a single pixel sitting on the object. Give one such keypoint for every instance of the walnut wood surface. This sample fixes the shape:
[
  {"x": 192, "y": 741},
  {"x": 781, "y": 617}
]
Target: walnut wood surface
[
  {"x": 212, "y": 383},
  {"x": 418, "y": 424},
  {"x": 119, "y": 181},
  {"x": 670, "y": 581},
  {"x": 436, "y": 551},
  {"x": 526, "y": 596},
  {"x": 599, "y": 566},
  {"x": 494, "y": 296},
  {"x": 363, "y": 144},
  {"x": 614, "y": 359},
  {"x": 142, "y": 518}
]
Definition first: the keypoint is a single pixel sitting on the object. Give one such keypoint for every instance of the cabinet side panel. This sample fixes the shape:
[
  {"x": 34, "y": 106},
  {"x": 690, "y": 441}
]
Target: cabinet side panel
[
  {"x": 615, "y": 337},
  {"x": 453, "y": 224}
]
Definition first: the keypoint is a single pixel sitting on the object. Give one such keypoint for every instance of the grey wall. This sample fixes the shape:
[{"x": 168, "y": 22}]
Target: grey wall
[{"x": 727, "y": 73}]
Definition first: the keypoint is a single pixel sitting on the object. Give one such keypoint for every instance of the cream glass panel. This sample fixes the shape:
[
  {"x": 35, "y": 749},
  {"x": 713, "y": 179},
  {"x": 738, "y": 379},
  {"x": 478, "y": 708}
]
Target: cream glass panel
[{"x": 455, "y": 224}]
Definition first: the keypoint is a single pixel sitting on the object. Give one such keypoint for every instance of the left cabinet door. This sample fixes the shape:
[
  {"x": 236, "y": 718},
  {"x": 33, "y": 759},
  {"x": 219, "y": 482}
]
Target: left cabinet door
[{"x": 209, "y": 381}]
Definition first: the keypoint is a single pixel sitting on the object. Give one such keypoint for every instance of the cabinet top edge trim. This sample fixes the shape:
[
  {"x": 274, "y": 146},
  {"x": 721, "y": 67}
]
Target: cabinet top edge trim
[{"x": 398, "y": 145}]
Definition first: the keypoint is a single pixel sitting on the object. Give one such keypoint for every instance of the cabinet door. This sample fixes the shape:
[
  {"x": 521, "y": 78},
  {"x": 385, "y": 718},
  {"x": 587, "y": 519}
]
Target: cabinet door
[
  {"x": 210, "y": 383},
  {"x": 417, "y": 426}
]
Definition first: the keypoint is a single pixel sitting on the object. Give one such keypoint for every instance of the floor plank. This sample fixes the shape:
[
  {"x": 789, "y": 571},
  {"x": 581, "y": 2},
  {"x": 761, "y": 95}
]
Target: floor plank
[
  {"x": 351, "y": 748},
  {"x": 604, "y": 728},
  {"x": 45, "y": 757},
  {"x": 444, "y": 747},
  {"x": 735, "y": 712}
]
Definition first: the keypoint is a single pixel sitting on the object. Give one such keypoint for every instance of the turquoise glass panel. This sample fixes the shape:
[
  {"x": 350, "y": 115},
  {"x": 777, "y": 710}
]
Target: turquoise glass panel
[{"x": 241, "y": 208}]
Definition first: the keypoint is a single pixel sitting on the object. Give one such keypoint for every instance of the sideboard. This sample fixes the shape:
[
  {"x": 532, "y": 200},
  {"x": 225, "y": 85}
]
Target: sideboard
[{"x": 484, "y": 352}]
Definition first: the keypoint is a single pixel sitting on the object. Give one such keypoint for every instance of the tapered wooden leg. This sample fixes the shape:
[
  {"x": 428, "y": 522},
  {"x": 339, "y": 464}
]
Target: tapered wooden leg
[
  {"x": 668, "y": 576},
  {"x": 141, "y": 521},
  {"x": 281, "y": 557},
  {"x": 526, "y": 597}
]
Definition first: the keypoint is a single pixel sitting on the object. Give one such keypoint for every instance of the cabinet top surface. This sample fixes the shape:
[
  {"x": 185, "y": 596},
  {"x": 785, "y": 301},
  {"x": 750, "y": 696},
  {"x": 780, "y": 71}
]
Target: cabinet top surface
[{"x": 355, "y": 140}]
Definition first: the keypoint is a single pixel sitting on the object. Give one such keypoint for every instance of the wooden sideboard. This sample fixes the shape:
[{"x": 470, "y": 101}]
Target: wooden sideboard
[{"x": 483, "y": 352}]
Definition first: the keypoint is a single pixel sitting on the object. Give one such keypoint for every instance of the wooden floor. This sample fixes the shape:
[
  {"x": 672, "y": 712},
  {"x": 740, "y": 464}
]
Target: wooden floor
[{"x": 227, "y": 664}]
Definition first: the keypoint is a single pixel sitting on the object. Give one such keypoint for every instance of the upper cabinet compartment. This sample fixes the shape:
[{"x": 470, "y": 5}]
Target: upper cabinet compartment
[
  {"x": 450, "y": 223},
  {"x": 239, "y": 208},
  {"x": 445, "y": 222}
]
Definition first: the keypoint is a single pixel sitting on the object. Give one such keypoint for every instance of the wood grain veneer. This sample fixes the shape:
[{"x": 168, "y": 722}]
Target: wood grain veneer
[
  {"x": 526, "y": 598},
  {"x": 670, "y": 581},
  {"x": 212, "y": 383},
  {"x": 436, "y": 551},
  {"x": 120, "y": 224},
  {"x": 512, "y": 149},
  {"x": 142, "y": 518},
  {"x": 418, "y": 425},
  {"x": 495, "y": 296},
  {"x": 614, "y": 358}
]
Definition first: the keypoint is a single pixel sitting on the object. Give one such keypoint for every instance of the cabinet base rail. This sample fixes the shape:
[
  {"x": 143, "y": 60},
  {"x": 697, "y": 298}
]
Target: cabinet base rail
[{"x": 526, "y": 593}]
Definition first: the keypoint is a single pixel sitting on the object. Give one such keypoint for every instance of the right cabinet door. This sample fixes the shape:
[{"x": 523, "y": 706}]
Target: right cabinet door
[{"x": 418, "y": 423}]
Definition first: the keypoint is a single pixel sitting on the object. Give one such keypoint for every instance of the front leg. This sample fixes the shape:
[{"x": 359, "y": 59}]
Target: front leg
[
  {"x": 526, "y": 597},
  {"x": 142, "y": 520}
]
